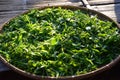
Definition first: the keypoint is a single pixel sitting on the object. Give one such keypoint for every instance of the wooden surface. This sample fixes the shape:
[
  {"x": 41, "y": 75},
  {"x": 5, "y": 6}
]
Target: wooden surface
[
  {"x": 11, "y": 8},
  {"x": 110, "y": 8}
]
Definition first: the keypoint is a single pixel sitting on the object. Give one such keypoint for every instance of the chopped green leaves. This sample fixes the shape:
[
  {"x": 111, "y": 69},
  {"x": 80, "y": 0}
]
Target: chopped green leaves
[{"x": 59, "y": 42}]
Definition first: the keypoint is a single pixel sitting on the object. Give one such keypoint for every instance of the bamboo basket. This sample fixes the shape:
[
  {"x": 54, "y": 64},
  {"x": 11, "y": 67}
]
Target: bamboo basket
[{"x": 76, "y": 77}]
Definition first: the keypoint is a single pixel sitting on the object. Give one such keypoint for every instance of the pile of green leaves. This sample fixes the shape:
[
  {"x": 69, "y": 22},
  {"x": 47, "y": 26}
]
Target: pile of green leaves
[{"x": 59, "y": 42}]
